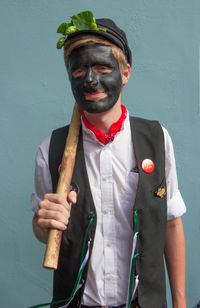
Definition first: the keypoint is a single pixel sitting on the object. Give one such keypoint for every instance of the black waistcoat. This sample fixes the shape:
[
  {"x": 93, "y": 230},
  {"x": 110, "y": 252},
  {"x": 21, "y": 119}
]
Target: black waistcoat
[{"x": 148, "y": 143}]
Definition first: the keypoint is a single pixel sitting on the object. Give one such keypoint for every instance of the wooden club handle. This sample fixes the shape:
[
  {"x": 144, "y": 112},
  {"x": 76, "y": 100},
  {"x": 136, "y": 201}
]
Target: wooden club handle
[{"x": 67, "y": 166}]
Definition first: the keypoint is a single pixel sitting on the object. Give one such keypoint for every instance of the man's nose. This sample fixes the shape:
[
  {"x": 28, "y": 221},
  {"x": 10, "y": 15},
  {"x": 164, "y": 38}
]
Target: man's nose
[{"x": 90, "y": 78}]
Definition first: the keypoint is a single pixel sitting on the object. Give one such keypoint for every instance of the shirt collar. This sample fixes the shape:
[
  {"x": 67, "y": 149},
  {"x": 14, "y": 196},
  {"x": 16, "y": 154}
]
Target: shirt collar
[{"x": 115, "y": 127}]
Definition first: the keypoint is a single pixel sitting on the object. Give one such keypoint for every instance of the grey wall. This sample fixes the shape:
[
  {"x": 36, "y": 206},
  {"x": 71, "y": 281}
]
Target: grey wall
[{"x": 35, "y": 97}]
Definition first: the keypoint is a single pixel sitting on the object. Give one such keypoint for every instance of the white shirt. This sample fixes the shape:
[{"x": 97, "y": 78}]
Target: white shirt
[{"x": 114, "y": 184}]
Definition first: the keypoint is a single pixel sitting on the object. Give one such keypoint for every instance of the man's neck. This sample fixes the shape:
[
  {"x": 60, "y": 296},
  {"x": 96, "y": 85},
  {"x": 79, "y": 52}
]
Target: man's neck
[{"x": 103, "y": 121}]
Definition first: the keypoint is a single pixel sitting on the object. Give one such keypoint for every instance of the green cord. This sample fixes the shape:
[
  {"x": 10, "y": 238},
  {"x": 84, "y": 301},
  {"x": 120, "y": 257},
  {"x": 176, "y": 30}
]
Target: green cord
[
  {"x": 84, "y": 242},
  {"x": 131, "y": 279},
  {"x": 135, "y": 219},
  {"x": 43, "y": 305},
  {"x": 82, "y": 255}
]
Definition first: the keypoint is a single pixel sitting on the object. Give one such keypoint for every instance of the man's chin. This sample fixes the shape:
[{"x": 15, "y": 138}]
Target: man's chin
[{"x": 96, "y": 106}]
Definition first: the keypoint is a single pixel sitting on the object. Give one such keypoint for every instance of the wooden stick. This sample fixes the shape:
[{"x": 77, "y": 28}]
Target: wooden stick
[{"x": 67, "y": 166}]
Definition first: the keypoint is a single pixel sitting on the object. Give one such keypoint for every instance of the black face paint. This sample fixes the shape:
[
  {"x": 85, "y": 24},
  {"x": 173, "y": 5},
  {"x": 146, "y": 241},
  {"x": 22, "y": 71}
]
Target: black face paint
[{"x": 95, "y": 77}]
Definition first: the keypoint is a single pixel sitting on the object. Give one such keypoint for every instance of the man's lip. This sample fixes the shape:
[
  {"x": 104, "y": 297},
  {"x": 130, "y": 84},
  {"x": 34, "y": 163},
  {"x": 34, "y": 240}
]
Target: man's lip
[{"x": 95, "y": 95}]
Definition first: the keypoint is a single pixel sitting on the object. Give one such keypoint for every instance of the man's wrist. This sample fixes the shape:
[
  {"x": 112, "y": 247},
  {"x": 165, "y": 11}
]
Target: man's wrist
[{"x": 180, "y": 302}]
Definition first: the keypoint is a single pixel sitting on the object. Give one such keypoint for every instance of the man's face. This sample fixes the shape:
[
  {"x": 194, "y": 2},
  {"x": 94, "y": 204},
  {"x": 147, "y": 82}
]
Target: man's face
[{"x": 95, "y": 77}]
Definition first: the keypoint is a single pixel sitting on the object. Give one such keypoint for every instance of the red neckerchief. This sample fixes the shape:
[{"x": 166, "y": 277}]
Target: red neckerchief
[{"x": 115, "y": 127}]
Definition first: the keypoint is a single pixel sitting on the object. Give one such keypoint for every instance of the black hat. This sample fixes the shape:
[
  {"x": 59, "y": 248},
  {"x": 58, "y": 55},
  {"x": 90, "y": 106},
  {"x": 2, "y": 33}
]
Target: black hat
[{"x": 112, "y": 33}]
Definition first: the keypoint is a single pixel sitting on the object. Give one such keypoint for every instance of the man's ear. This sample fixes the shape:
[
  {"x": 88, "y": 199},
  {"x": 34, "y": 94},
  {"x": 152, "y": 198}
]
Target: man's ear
[{"x": 126, "y": 74}]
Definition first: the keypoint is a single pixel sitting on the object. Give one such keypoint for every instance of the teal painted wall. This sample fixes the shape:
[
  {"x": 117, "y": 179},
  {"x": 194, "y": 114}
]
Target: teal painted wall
[{"x": 35, "y": 97}]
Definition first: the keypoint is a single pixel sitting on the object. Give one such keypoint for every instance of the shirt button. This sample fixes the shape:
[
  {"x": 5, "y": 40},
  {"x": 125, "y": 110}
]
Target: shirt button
[
  {"x": 106, "y": 211},
  {"x": 108, "y": 245}
]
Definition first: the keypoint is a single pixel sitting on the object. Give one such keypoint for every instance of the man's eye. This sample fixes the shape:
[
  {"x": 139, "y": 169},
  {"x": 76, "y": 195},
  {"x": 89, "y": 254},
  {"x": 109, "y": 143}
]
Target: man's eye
[
  {"x": 78, "y": 72},
  {"x": 102, "y": 69}
]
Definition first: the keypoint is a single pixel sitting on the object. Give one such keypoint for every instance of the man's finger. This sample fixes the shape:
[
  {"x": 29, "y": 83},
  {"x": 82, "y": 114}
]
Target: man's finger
[
  {"x": 51, "y": 223},
  {"x": 72, "y": 197},
  {"x": 56, "y": 198}
]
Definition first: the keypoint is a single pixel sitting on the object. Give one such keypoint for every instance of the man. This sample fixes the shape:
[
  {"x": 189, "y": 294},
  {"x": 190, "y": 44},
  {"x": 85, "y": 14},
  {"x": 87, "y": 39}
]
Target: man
[{"x": 126, "y": 211}]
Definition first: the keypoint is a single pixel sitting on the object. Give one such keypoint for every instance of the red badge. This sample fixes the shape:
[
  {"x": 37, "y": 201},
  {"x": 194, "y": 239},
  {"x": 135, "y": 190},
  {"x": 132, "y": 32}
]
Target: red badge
[{"x": 148, "y": 165}]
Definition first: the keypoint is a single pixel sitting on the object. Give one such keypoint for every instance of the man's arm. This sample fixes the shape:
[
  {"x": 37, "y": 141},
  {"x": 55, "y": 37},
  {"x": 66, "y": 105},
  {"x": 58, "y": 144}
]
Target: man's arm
[{"x": 175, "y": 261}]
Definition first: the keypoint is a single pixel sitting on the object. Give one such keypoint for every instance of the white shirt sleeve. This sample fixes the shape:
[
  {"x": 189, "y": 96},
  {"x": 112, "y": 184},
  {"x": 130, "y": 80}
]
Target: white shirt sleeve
[
  {"x": 175, "y": 204},
  {"x": 43, "y": 182}
]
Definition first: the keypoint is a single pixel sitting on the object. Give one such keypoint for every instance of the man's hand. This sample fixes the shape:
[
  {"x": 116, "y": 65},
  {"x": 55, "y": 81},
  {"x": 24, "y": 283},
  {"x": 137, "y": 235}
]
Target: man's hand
[{"x": 54, "y": 212}]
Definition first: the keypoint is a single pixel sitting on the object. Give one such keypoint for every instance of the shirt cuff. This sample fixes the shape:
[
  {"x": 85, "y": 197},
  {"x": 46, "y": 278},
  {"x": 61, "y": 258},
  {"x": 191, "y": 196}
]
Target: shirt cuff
[
  {"x": 175, "y": 206},
  {"x": 34, "y": 202}
]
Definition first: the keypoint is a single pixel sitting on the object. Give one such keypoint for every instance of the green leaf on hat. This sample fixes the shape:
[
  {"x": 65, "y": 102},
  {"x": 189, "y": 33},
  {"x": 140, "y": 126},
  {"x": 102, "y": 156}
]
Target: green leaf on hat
[
  {"x": 61, "y": 29},
  {"x": 82, "y": 21}
]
